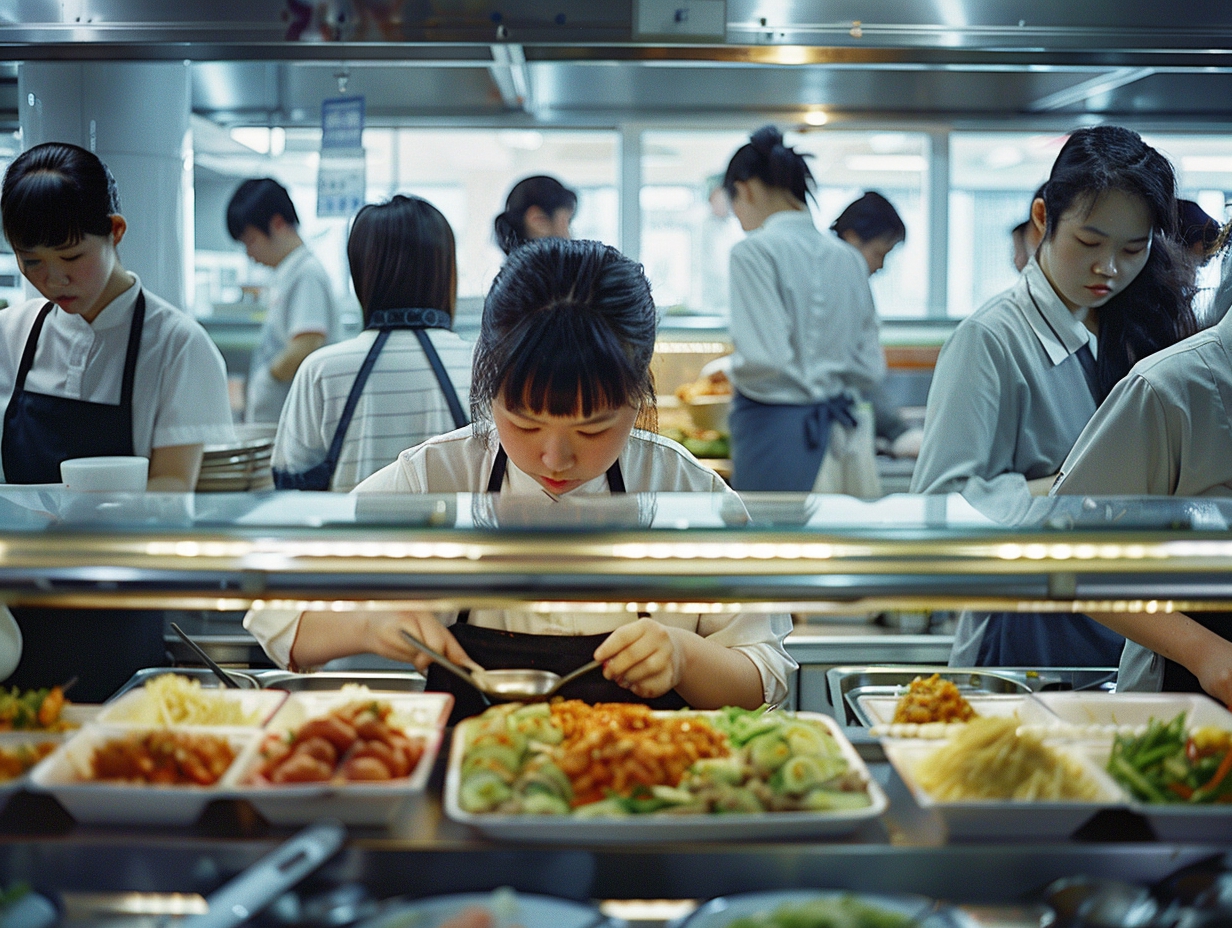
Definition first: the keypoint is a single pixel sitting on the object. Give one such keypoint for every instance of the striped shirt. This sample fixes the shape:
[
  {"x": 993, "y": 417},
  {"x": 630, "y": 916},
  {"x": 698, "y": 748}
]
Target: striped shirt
[{"x": 401, "y": 406}]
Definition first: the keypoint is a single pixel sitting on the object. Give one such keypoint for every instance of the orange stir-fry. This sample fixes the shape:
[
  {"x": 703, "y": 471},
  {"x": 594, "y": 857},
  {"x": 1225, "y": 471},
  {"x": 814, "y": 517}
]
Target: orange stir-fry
[
  {"x": 931, "y": 699},
  {"x": 164, "y": 758},
  {"x": 18, "y": 759},
  {"x": 619, "y": 747}
]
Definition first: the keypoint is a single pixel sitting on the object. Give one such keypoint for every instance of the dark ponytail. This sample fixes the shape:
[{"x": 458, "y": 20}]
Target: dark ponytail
[
  {"x": 1156, "y": 309},
  {"x": 542, "y": 191},
  {"x": 770, "y": 161}
]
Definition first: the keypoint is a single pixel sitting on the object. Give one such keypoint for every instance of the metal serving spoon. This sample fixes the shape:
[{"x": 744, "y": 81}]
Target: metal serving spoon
[
  {"x": 221, "y": 674},
  {"x": 512, "y": 685}
]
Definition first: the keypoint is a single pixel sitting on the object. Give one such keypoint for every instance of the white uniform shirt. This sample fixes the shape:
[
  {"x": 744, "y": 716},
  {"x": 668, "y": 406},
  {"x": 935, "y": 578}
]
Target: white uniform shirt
[
  {"x": 1165, "y": 430},
  {"x": 461, "y": 462},
  {"x": 301, "y": 300},
  {"x": 401, "y": 405},
  {"x": 179, "y": 386},
  {"x": 803, "y": 321},
  {"x": 1008, "y": 397}
]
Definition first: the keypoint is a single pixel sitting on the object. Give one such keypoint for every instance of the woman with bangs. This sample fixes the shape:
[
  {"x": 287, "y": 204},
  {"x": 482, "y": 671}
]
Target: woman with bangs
[
  {"x": 561, "y": 378},
  {"x": 95, "y": 366}
]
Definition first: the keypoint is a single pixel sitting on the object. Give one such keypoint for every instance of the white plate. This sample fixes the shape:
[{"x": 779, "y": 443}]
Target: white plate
[
  {"x": 660, "y": 828},
  {"x": 880, "y": 712},
  {"x": 256, "y": 705},
  {"x": 506, "y": 906},
  {"x": 723, "y": 910},
  {"x": 420, "y": 715},
  {"x": 1007, "y": 819},
  {"x": 1109, "y": 713},
  {"x": 94, "y": 802}
]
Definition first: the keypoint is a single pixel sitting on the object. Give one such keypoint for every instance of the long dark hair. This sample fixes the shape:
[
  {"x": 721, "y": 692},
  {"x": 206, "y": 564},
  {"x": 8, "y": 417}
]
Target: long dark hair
[
  {"x": 402, "y": 256},
  {"x": 566, "y": 323},
  {"x": 542, "y": 191},
  {"x": 870, "y": 217},
  {"x": 1156, "y": 309},
  {"x": 765, "y": 157},
  {"x": 55, "y": 193}
]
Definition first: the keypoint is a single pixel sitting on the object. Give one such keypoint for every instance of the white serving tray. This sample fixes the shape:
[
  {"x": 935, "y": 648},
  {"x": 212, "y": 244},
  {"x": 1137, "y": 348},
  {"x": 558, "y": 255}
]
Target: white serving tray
[
  {"x": 420, "y": 715},
  {"x": 258, "y": 705},
  {"x": 723, "y": 910},
  {"x": 1106, "y": 714},
  {"x": 93, "y": 802},
  {"x": 668, "y": 828},
  {"x": 1007, "y": 819}
]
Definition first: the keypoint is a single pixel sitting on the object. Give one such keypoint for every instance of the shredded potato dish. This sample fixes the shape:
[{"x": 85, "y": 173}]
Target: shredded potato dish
[
  {"x": 171, "y": 699},
  {"x": 932, "y": 699},
  {"x": 991, "y": 759}
]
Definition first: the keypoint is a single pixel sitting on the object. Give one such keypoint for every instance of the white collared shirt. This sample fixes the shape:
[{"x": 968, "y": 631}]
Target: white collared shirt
[
  {"x": 301, "y": 301},
  {"x": 1008, "y": 396},
  {"x": 179, "y": 386},
  {"x": 461, "y": 462},
  {"x": 803, "y": 323}
]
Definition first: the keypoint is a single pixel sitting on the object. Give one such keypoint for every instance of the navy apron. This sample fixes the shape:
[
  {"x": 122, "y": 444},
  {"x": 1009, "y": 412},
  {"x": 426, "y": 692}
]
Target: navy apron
[
  {"x": 1032, "y": 639},
  {"x": 495, "y": 649},
  {"x": 321, "y": 475},
  {"x": 102, "y": 648},
  {"x": 779, "y": 446}
]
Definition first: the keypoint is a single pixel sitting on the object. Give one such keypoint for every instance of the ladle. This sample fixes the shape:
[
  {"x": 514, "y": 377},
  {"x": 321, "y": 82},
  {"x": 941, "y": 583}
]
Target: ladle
[
  {"x": 513, "y": 685},
  {"x": 221, "y": 674}
]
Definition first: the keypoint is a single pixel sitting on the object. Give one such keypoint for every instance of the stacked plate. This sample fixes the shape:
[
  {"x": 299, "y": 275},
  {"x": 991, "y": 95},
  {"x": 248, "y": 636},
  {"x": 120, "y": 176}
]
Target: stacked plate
[{"x": 241, "y": 465}]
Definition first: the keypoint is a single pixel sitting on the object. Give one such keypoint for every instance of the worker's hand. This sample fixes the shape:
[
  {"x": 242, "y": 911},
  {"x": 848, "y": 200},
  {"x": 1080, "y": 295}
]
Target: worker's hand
[
  {"x": 384, "y": 637},
  {"x": 645, "y": 657}
]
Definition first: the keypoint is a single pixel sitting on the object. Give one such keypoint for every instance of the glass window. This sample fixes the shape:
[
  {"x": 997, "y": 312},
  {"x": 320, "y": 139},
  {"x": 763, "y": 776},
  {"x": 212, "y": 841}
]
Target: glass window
[
  {"x": 688, "y": 232},
  {"x": 992, "y": 178}
]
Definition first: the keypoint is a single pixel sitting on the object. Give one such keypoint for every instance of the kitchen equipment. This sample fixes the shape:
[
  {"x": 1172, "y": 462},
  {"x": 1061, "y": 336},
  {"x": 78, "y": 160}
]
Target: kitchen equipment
[
  {"x": 402, "y": 681},
  {"x": 209, "y": 661},
  {"x": 512, "y": 685},
  {"x": 202, "y": 674}
]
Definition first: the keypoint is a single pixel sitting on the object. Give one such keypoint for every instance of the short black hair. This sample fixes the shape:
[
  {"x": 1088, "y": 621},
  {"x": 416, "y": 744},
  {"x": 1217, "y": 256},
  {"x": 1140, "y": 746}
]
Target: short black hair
[
  {"x": 870, "y": 217},
  {"x": 566, "y": 323},
  {"x": 55, "y": 193},
  {"x": 255, "y": 203},
  {"x": 402, "y": 256}
]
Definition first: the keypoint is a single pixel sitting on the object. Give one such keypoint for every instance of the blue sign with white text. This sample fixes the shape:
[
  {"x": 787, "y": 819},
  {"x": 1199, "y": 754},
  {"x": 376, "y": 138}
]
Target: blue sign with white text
[{"x": 342, "y": 122}]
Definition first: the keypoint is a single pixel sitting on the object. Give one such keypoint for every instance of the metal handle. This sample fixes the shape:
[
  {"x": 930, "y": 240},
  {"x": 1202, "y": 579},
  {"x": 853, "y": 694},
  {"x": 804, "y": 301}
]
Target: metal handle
[
  {"x": 439, "y": 658},
  {"x": 574, "y": 674},
  {"x": 209, "y": 661}
]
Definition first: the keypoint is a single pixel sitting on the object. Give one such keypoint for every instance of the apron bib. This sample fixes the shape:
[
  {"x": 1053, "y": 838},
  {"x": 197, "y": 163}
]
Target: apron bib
[
  {"x": 101, "y": 647},
  {"x": 321, "y": 475},
  {"x": 495, "y": 649}
]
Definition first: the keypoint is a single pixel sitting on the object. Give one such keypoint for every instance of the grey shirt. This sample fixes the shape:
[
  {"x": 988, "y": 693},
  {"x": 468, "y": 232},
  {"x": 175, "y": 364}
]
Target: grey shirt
[
  {"x": 1165, "y": 430},
  {"x": 1008, "y": 397}
]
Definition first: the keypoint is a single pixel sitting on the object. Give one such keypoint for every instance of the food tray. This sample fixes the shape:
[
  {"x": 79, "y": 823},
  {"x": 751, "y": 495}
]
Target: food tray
[
  {"x": 1004, "y": 819},
  {"x": 420, "y": 715},
  {"x": 203, "y": 674},
  {"x": 668, "y": 828},
  {"x": 879, "y": 710},
  {"x": 91, "y": 802},
  {"x": 259, "y": 705},
  {"x": 14, "y": 739},
  {"x": 723, "y": 910},
  {"x": 404, "y": 681},
  {"x": 848, "y": 684}
]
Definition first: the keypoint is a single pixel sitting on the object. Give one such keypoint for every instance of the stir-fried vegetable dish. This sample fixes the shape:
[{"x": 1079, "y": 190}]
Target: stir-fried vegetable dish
[
  {"x": 840, "y": 912},
  {"x": 619, "y": 759},
  {"x": 1167, "y": 763},
  {"x": 32, "y": 709}
]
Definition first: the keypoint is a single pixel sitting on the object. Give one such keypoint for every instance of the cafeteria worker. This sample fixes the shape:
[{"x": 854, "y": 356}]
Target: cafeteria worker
[{"x": 94, "y": 366}]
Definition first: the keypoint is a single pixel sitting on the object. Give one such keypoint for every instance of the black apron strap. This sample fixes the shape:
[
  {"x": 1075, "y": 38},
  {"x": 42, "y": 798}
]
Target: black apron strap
[
  {"x": 27, "y": 356},
  {"x": 130, "y": 356},
  {"x": 348, "y": 411},
  {"x": 1087, "y": 360},
  {"x": 442, "y": 378}
]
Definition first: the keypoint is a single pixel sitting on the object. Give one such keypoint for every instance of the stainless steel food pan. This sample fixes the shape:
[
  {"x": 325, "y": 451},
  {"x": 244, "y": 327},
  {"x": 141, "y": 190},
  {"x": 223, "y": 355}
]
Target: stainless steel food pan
[{"x": 400, "y": 680}]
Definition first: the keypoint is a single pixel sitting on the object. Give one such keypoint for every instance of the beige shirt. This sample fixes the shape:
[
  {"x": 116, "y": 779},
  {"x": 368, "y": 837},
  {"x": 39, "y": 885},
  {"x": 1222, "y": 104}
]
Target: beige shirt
[{"x": 461, "y": 462}]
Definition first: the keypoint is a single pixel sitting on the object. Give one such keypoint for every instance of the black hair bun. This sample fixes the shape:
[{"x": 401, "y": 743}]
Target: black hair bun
[{"x": 766, "y": 139}]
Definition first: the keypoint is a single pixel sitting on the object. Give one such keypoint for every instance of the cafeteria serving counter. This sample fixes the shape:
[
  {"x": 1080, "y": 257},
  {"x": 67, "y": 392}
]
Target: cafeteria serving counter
[{"x": 688, "y": 551}]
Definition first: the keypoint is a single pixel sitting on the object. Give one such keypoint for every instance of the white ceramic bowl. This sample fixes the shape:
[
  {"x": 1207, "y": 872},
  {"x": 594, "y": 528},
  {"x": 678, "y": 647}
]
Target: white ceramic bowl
[
  {"x": 710, "y": 412},
  {"x": 116, "y": 474}
]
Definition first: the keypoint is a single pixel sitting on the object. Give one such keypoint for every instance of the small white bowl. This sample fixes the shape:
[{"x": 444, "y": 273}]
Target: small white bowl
[
  {"x": 711, "y": 412},
  {"x": 113, "y": 474}
]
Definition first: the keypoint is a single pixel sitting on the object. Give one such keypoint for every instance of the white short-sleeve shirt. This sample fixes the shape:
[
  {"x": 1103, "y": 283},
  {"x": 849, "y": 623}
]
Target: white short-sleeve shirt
[
  {"x": 461, "y": 462},
  {"x": 301, "y": 301},
  {"x": 401, "y": 405},
  {"x": 179, "y": 386}
]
